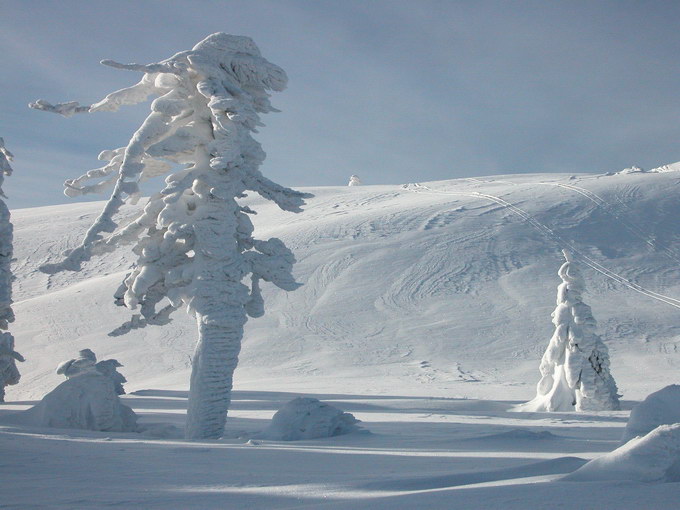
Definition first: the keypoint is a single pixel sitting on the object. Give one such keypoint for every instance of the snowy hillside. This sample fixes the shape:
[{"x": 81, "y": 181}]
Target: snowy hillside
[
  {"x": 424, "y": 312},
  {"x": 437, "y": 289}
]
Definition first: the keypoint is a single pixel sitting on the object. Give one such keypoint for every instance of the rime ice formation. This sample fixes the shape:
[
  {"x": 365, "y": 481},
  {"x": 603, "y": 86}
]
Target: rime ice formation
[
  {"x": 9, "y": 373},
  {"x": 659, "y": 408},
  {"x": 354, "y": 181},
  {"x": 575, "y": 366},
  {"x": 86, "y": 363},
  {"x": 196, "y": 246},
  {"x": 86, "y": 401},
  {"x": 654, "y": 457},
  {"x": 307, "y": 418}
]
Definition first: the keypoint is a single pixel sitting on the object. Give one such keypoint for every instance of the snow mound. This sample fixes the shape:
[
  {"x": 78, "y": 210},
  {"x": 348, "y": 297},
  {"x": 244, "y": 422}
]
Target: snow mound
[
  {"x": 651, "y": 458},
  {"x": 88, "y": 402},
  {"x": 659, "y": 408},
  {"x": 308, "y": 418}
]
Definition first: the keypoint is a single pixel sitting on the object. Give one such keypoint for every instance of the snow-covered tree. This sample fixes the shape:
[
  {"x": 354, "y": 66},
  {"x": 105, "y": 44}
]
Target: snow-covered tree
[
  {"x": 86, "y": 362},
  {"x": 109, "y": 368},
  {"x": 194, "y": 239},
  {"x": 354, "y": 180},
  {"x": 575, "y": 366},
  {"x": 9, "y": 373},
  {"x": 86, "y": 400}
]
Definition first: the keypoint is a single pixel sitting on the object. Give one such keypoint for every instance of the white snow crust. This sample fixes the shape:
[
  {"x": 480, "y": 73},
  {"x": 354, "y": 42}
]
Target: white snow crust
[
  {"x": 659, "y": 408},
  {"x": 308, "y": 418}
]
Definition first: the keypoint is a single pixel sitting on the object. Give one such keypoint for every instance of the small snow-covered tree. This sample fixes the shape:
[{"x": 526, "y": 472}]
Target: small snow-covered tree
[
  {"x": 86, "y": 363},
  {"x": 354, "y": 180},
  {"x": 109, "y": 368},
  {"x": 194, "y": 239},
  {"x": 575, "y": 366},
  {"x": 9, "y": 373},
  {"x": 86, "y": 400}
]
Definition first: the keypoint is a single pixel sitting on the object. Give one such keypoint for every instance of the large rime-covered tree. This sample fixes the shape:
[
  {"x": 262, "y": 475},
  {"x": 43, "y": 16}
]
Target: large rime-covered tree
[
  {"x": 194, "y": 240},
  {"x": 9, "y": 373},
  {"x": 575, "y": 366}
]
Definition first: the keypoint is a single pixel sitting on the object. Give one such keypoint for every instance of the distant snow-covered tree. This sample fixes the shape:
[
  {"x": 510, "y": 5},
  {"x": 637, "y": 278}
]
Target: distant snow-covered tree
[
  {"x": 575, "y": 366},
  {"x": 194, "y": 240},
  {"x": 9, "y": 373},
  {"x": 354, "y": 180}
]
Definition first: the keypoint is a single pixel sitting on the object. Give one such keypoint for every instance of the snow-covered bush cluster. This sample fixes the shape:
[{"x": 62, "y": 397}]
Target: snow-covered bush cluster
[
  {"x": 194, "y": 240},
  {"x": 86, "y": 400},
  {"x": 575, "y": 366},
  {"x": 308, "y": 418},
  {"x": 9, "y": 373}
]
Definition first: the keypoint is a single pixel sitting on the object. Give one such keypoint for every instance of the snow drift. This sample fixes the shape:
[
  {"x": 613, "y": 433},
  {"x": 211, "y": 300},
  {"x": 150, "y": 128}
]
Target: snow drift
[
  {"x": 651, "y": 458},
  {"x": 307, "y": 418},
  {"x": 660, "y": 408}
]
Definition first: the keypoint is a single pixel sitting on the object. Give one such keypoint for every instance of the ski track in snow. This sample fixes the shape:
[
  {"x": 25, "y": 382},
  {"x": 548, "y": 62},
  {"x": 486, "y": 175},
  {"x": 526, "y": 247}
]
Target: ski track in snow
[{"x": 551, "y": 234}]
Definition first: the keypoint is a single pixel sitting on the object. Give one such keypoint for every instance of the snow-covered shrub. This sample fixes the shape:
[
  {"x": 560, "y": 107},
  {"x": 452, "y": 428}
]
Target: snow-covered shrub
[
  {"x": 575, "y": 366},
  {"x": 83, "y": 364},
  {"x": 194, "y": 240},
  {"x": 659, "y": 408},
  {"x": 651, "y": 458},
  {"x": 87, "y": 401},
  {"x": 354, "y": 181},
  {"x": 9, "y": 373},
  {"x": 307, "y": 418},
  {"x": 86, "y": 362}
]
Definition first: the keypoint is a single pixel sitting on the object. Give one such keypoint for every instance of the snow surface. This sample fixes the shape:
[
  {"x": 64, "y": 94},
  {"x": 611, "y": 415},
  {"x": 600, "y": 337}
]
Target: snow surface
[{"x": 424, "y": 312}]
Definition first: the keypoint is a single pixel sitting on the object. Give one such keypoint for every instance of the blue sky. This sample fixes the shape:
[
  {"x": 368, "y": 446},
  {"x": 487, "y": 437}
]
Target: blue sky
[{"x": 394, "y": 91}]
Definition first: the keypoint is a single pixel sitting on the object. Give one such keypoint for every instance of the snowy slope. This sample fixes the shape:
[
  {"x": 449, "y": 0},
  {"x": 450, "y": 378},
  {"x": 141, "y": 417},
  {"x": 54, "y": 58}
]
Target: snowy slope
[
  {"x": 441, "y": 288},
  {"x": 424, "y": 313}
]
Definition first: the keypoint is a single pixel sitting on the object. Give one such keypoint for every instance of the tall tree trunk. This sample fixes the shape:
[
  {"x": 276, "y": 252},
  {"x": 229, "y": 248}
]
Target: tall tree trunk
[{"x": 213, "y": 365}]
